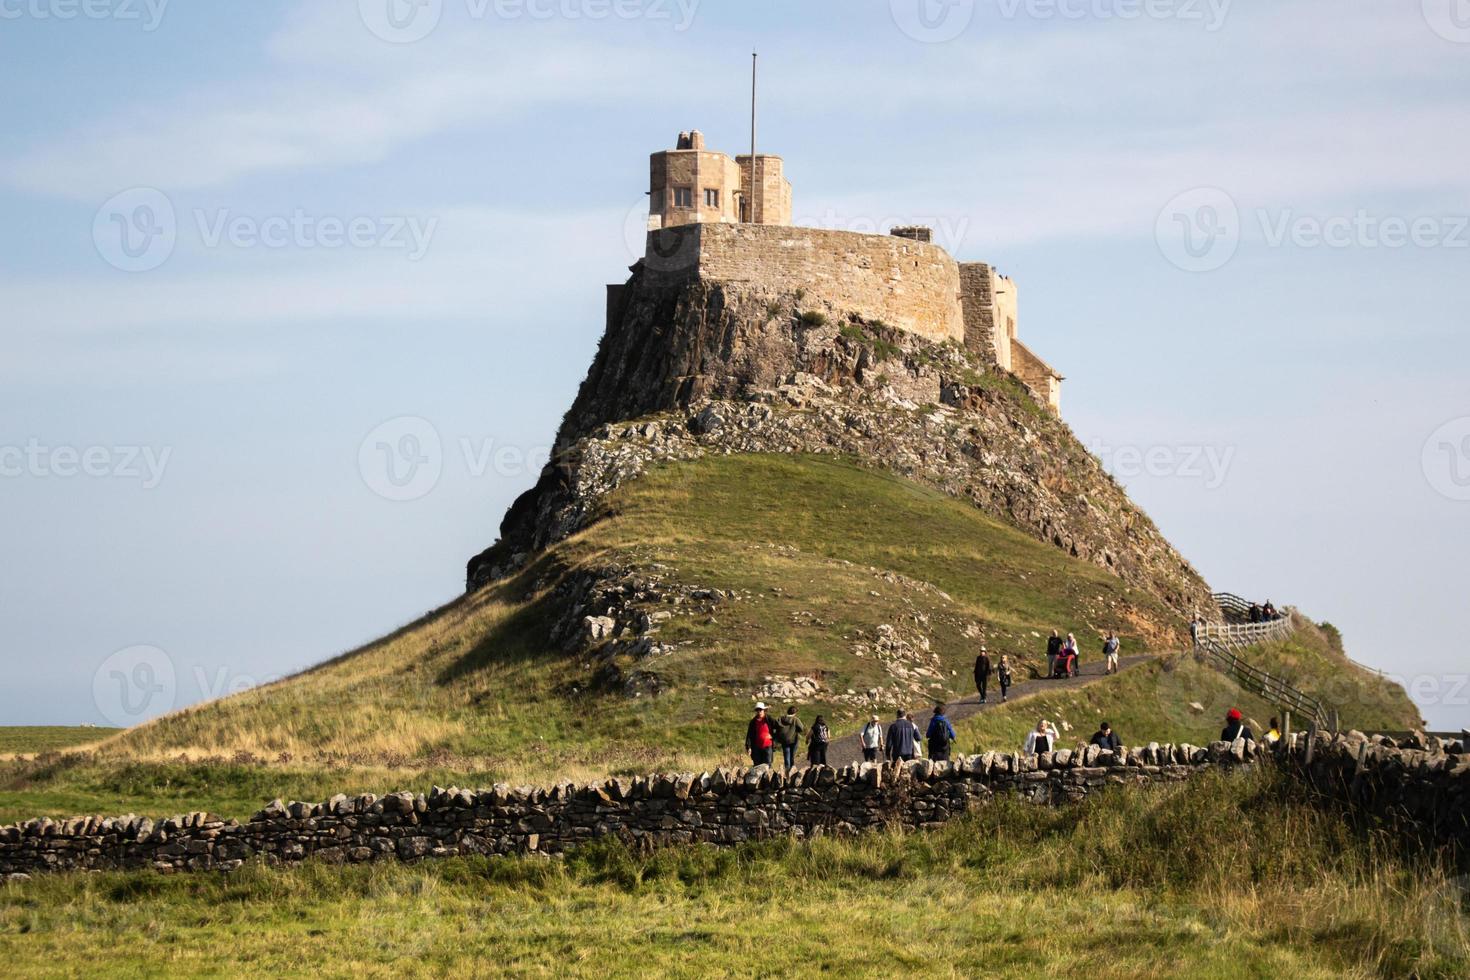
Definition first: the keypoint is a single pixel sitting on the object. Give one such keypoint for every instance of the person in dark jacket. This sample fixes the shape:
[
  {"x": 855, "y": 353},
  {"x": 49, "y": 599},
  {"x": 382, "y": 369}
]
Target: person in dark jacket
[
  {"x": 1235, "y": 727},
  {"x": 1003, "y": 675},
  {"x": 1053, "y": 650},
  {"x": 982, "y": 673},
  {"x": 903, "y": 739},
  {"x": 788, "y": 734},
  {"x": 1106, "y": 738},
  {"x": 817, "y": 741},
  {"x": 940, "y": 736},
  {"x": 759, "y": 737}
]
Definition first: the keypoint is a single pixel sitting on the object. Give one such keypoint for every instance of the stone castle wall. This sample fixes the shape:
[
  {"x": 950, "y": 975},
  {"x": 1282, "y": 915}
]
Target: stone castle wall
[
  {"x": 905, "y": 283},
  {"x": 723, "y": 807}
]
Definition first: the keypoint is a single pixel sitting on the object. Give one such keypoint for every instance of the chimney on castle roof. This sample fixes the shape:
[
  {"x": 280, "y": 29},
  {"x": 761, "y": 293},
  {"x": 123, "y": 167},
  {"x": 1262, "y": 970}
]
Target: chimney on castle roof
[
  {"x": 696, "y": 140},
  {"x": 683, "y": 141},
  {"x": 918, "y": 233}
]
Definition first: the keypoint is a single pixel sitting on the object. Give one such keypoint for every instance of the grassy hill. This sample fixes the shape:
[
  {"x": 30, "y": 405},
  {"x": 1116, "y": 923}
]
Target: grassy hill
[
  {"x": 1225, "y": 876},
  {"x": 819, "y": 568}
]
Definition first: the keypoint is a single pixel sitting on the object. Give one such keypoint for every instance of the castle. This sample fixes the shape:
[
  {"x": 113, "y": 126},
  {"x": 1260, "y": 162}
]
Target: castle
[{"x": 729, "y": 220}]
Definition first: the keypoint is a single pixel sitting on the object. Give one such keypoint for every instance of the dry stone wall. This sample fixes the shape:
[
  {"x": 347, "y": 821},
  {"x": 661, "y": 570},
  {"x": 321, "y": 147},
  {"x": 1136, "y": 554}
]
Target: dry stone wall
[
  {"x": 723, "y": 807},
  {"x": 1422, "y": 785}
]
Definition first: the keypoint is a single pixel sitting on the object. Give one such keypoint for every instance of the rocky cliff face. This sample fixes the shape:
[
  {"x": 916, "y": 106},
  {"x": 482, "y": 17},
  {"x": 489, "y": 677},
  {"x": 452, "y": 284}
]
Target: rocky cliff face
[{"x": 712, "y": 368}]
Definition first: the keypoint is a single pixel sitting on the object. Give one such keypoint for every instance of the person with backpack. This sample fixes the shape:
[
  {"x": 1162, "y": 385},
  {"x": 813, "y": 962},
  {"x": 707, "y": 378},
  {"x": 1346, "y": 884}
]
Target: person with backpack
[
  {"x": 759, "y": 736},
  {"x": 1003, "y": 675},
  {"x": 903, "y": 741},
  {"x": 941, "y": 735},
  {"x": 788, "y": 733},
  {"x": 982, "y": 672},
  {"x": 872, "y": 739},
  {"x": 1235, "y": 727},
  {"x": 1053, "y": 650},
  {"x": 1110, "y": 654},
  {"x": 817, "y": 742},
  {"x": 1106, "y": 738}
]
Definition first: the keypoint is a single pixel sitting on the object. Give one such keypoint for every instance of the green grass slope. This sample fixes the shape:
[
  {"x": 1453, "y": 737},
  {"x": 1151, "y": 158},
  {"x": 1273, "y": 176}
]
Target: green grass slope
[
  {"x": 1229, "y": 875},
  {"x": 1178, "y": 699},
  {"x": 820, "y": 552}
]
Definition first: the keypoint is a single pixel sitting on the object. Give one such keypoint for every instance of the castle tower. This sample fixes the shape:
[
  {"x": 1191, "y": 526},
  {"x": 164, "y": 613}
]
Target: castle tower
[{"x": 691, "y": 185}]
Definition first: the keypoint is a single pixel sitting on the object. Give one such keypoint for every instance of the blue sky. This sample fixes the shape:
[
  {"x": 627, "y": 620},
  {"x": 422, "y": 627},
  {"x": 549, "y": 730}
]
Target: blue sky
[{"x": 376, "y": 219}]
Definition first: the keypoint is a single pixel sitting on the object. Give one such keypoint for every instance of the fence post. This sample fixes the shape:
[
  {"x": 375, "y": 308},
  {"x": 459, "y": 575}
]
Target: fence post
[
  {"x": 1336, "y": 725},
  {"x": 1286, "y": 727}
]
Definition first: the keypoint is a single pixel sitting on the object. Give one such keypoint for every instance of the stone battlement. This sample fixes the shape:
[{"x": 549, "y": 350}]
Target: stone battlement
[{"x": 907, "y": 284}]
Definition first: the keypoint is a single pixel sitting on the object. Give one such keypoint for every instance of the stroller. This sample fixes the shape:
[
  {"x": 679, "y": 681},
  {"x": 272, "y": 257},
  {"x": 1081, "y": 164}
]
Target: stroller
[{"x": 1066, "y": 665}]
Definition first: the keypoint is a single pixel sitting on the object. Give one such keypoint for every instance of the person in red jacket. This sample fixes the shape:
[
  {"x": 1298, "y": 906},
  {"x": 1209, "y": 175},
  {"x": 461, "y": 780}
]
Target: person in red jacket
[{"x": 759, "y": 737}]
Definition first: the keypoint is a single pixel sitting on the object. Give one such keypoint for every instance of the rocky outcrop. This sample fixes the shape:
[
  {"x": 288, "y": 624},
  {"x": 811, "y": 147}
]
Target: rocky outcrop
[
  {"x": 726, "y": 806},
  {"x": 705, "y": 368}
]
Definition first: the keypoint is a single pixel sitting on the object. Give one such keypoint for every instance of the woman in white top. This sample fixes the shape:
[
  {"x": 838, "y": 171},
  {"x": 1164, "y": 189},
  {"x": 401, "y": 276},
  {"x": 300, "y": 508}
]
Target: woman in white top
[
  {"x": 1043, "y": 739},
  {"x": 872, "y": 739}
]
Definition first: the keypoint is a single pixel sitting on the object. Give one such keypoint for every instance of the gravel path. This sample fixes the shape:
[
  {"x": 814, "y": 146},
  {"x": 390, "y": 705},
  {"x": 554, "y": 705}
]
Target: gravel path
[{"x": 848, "y": 749}]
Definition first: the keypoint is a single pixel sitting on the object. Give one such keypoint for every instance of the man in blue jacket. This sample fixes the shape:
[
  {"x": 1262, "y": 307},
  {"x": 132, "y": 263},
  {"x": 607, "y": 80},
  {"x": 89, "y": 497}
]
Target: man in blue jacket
[
  {"x": 940, "y": 736},
  {"x": 902, "y": 739}
]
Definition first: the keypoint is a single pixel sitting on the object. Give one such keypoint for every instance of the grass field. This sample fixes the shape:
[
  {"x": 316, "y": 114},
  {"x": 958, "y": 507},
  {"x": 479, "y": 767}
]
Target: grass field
[
  {"x": 38, "y": 739},
  {"x": 1227, "y": 876}
]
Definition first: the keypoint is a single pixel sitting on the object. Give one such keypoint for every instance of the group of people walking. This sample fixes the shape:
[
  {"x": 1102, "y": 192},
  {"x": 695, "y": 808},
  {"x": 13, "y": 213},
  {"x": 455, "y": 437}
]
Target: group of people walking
[
  {"x": 1263, "y": 612},
  {"x": 899, "y": 742},
  {"x": 1064, "y": 657},
  {"x": 763, "y": 734}
]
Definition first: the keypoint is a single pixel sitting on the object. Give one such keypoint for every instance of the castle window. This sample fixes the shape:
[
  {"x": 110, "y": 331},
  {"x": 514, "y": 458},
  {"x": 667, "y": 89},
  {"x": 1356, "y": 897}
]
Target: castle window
[
  {"x": 711, "y": 197},
  {"x": 683, "y": 197}
]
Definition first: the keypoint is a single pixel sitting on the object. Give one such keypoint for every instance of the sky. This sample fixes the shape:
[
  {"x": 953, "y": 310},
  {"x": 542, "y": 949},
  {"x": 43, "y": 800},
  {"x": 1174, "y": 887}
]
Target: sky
[{"x": 293, "y": 295}]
